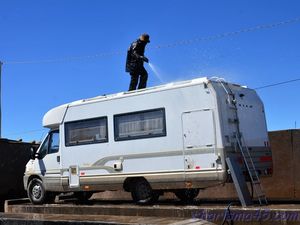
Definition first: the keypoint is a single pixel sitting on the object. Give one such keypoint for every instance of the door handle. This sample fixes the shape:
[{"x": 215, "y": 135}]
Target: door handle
[{"x": 58, "y": 158}]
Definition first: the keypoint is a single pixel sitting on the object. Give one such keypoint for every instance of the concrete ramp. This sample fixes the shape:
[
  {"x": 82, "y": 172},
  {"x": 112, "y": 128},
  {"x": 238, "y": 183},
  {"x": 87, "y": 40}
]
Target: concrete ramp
[{"x": 67, "y": 219}]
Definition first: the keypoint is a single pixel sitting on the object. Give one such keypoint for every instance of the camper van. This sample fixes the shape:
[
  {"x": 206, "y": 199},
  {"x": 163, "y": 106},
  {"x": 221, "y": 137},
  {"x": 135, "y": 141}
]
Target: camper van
[{"x": 169, "y": 138}]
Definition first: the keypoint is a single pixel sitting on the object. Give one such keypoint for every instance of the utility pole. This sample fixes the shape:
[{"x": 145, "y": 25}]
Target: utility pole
[{"x": 1, "y": 63}]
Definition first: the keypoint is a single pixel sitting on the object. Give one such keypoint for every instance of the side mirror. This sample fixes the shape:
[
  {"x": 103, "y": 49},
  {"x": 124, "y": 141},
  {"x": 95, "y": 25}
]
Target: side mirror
[{"x": 33, "y": 154}]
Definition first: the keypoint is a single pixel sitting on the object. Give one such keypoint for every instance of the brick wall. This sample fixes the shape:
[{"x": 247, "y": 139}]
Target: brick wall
[{"x": 283, "y": 184}]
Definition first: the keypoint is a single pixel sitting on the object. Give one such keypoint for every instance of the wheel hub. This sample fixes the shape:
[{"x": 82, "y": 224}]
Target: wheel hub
[{"x": 36, "y": 191}]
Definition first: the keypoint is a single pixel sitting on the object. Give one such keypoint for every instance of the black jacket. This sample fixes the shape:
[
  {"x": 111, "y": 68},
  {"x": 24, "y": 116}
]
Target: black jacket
[{"x": 135, "y": 54}]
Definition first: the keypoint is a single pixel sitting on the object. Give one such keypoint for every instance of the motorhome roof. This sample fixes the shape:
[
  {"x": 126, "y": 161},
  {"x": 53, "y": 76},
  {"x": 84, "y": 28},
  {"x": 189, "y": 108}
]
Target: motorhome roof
[
  {"x": 55, "y": 116},
  {"x": 142, "y": 91}
]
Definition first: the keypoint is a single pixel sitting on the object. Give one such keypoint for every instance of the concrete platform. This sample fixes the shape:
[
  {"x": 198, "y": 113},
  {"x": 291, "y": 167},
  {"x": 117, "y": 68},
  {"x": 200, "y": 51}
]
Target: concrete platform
[
  {"x": 67, "y": 219},
  {"x": 21, "y": 212},
  {"x": 163, "y": 213}
]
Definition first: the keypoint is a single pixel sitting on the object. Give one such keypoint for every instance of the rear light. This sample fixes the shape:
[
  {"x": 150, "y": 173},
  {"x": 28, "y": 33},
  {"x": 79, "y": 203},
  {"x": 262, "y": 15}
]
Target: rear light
[{"x": 265, "y": 159}]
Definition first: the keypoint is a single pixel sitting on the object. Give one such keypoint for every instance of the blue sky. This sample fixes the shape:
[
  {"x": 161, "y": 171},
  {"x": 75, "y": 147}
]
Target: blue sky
[{"x": 63, "y": 29}]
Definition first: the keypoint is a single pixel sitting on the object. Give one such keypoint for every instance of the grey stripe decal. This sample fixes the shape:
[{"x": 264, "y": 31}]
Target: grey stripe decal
[
  {"x": 104, "y": 160},
  {"x": 100, "y": 164},
  {"x": 137, "y": 156}
]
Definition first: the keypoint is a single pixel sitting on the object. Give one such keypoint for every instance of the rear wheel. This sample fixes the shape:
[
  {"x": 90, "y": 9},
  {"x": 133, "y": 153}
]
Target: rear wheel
[
  {"x": 83, "y": 196},
  {"x": 187, "y": 195},
  {"x": 142, "y": 192}
]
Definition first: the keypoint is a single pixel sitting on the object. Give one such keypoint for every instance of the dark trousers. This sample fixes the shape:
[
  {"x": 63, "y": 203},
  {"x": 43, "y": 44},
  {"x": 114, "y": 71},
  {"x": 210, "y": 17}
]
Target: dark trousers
[{"x": 140, "y": 78}]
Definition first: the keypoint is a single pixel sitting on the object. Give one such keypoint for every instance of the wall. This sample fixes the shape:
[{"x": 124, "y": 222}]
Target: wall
[
  {"x": 14, "y": 156},
  {"x": 284, "y": 183}
]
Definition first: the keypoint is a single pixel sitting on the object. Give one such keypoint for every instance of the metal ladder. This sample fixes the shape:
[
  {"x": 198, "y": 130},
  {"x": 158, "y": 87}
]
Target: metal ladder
[
  {"x": 258, "y": 190},
  {"x": 254, "y": 178}
]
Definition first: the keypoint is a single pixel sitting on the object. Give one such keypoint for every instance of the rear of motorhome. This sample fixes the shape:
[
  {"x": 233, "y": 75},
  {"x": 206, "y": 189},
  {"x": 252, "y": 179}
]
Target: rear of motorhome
[{"x": 173, "y": 137}]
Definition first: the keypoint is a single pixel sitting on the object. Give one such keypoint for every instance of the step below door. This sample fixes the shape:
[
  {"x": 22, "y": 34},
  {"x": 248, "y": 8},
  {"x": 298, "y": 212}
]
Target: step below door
[{"x": 74, "y": 177}]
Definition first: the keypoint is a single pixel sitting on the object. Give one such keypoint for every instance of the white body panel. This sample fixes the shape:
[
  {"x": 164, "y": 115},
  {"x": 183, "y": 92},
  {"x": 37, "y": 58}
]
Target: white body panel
[{"x": 193, "y": 149}]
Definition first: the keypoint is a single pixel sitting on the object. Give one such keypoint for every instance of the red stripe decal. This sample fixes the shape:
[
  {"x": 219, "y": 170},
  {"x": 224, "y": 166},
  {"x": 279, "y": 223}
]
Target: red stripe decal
[{"x": 265, "y": 158}]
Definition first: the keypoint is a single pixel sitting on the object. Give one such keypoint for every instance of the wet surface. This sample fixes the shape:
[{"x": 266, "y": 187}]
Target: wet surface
[{"x": 207, "y": 204}]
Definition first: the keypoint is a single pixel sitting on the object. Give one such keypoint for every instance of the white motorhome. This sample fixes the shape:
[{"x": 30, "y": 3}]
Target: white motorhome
[{"x": 173, "y": 137}]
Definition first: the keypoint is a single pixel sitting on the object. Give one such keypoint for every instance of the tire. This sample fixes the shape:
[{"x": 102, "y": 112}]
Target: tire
[
  {"x": 36, "y": 192},
  {"x": 187, "y": 195},
  {"x": 155, "y": 196},
  {"x": 83, "y": 196},
  {"x": 142, "y": 193}
]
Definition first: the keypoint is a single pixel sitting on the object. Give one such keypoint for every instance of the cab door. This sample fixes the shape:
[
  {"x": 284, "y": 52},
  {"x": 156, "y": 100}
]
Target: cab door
[{"x": 49, "y": 161}]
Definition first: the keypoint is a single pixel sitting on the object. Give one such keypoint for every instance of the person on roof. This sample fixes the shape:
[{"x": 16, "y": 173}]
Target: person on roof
[{"x": 135, "y": 63}]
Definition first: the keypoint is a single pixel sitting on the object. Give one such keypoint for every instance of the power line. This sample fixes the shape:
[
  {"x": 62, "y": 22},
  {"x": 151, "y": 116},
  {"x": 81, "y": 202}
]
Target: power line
[
  {"x": 276, "y": 84},
  {"x": 66, "y": 59},
  {"x": 232, "y": 33},
  {"x": 171, "y": 45},
  {"x": 25, "y": 132}
]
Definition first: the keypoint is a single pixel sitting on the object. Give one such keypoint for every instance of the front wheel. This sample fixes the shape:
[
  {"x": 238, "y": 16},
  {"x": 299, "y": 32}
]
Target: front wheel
[
  {"x": 36, "y": 192},
  {"x": 187, "y": 195}
]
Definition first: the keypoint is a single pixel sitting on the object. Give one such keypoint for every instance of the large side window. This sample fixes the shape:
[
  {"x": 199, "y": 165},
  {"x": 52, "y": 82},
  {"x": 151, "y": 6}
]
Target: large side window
[
  {"x": 89, "y": 131},
  {"x": 143, "y": 124}
]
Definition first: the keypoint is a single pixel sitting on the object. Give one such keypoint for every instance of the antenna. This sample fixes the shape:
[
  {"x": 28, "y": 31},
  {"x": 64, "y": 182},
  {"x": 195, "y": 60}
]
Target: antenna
[{"x": 1, "y": 63}]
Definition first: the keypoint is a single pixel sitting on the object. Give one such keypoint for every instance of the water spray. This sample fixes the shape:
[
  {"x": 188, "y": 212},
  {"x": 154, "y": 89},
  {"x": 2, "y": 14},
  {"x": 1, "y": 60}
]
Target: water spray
[{"x": 156, "y": 73}]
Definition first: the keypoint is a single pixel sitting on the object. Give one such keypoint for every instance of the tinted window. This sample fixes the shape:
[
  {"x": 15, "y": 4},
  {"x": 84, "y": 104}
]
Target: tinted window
[
  {"x": 86, "y": 131},
  {"x": 144, "y": 124}
]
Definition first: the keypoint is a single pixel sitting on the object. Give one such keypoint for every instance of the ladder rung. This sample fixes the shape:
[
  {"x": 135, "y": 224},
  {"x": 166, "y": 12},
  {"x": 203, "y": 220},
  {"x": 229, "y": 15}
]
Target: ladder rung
[
  {"x": 253, "y": 174},
  {"x": 261, "y": 195},
  {"x": 256, "y": 182}
]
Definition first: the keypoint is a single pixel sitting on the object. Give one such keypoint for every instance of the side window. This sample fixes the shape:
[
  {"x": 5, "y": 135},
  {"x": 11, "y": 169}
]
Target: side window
[
  {"x": 54, "y": 143},
  {"x": 144, "y": 124},
  {"x": 89, "y": 131}
]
